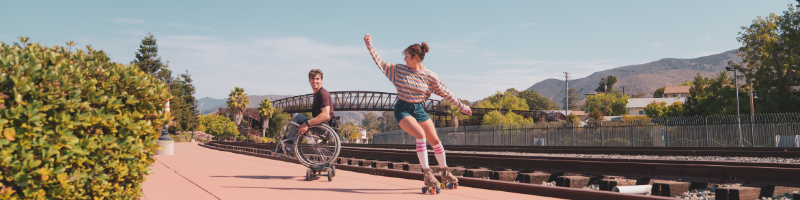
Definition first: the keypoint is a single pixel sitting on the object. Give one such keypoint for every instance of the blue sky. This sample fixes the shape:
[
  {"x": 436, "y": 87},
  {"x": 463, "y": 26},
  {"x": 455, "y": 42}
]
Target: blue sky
[{"x": 477, "y": 47}]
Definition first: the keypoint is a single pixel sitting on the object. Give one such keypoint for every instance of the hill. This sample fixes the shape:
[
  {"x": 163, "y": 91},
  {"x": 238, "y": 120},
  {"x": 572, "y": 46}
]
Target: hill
[{"x": 645, "y": 77}]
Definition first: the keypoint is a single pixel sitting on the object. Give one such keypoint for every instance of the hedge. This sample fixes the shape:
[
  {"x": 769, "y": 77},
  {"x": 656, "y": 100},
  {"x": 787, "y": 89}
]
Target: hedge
[{"x": 74, "y": 124}]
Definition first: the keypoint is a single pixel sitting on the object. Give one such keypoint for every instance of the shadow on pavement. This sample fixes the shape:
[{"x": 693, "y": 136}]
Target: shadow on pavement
[
  {"x": 260, "y": 177},
  {"x": 360, "y": 191}
]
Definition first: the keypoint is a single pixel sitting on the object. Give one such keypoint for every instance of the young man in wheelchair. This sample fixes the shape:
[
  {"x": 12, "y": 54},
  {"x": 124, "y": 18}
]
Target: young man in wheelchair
[{"x": 321, "y": 108}]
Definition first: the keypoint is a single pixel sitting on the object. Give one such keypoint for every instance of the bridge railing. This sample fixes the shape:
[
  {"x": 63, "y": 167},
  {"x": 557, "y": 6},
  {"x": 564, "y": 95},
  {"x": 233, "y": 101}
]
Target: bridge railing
[{"x": 762, "y": 130}]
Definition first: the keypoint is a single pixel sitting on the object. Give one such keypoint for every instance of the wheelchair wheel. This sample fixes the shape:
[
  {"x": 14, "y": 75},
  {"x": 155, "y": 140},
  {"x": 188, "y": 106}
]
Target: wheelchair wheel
[{"x": 318, "y": 147}]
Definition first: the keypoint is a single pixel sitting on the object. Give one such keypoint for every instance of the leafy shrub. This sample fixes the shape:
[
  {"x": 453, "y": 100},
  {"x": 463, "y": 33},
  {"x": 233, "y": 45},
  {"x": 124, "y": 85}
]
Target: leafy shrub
[
  {"x": 216, "y": 125},
  {"x": 75, "y": 125},
  {"x": 267, "y": 140}
]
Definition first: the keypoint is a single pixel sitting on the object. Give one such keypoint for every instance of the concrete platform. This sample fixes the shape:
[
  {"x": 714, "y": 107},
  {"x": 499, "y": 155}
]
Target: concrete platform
[{"x": 194, "y": 172}]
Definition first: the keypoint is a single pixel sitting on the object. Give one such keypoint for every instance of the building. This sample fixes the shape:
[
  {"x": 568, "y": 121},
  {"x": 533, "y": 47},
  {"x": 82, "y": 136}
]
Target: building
[
  {"x": 636, "y": 105},
  {"x": 676, "y": 91}
]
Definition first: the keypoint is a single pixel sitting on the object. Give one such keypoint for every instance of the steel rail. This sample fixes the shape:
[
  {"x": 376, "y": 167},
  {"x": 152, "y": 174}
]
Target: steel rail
[{"x": 782, "y": 152}]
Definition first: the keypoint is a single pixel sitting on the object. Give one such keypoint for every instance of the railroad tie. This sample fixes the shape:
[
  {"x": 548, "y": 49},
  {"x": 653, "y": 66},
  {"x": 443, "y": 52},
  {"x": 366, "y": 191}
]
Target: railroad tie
[
  {"x": 736, "y": 193},
  {"x": 572, "y": 181},
  {"x": 670, "y": 189}
]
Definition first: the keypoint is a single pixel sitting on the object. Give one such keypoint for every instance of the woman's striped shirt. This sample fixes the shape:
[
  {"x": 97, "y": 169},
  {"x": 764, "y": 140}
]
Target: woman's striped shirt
[{"x": 413, "y": 86}]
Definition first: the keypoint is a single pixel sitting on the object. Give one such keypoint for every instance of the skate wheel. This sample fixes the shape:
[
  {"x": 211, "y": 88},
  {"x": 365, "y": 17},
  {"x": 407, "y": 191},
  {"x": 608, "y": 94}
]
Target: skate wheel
[
  {"x": 443, "y": 185},
  {"x": 308, "y": 175},
  {"x": 430, "y": 190},
  {"x": 455, "y": 185},
  {"x": 424, "y": 189},
  {"x": 438, "y": 190}
]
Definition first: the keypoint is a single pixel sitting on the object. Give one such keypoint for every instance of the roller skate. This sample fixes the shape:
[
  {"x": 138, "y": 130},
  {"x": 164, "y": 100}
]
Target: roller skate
[
  {"x": 449, "y": 180},
  {"x": 432, "y": 185}
]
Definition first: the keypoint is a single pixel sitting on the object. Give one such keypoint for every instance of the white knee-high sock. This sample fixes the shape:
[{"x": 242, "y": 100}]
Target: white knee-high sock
[
  {"x": 422, "y": 153},
  {"x": 438, "y": 151}
]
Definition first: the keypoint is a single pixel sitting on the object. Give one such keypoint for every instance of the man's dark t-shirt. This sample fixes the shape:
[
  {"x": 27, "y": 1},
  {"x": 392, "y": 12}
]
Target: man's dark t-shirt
[{"x": 321, "y": 99}]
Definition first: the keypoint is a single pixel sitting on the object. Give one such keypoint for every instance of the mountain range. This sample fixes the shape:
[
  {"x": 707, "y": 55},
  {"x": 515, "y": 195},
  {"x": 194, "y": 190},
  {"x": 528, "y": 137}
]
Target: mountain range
[{"x": 643, "y": 77}]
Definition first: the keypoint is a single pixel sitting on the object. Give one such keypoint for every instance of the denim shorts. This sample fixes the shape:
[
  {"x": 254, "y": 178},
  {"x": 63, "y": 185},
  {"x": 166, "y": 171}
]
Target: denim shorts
[{"x": 416, "y": 110}]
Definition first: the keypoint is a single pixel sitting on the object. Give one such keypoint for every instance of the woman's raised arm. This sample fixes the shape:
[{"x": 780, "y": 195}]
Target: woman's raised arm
[{"x": 386, "y": 68}]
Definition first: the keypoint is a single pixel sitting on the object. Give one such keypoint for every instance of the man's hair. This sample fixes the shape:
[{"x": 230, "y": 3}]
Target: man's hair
[{"x": 314, "y": 72}]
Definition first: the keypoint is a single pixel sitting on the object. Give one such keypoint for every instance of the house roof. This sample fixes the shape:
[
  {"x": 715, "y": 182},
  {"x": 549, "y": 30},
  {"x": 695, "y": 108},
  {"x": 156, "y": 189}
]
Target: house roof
[
  {"x": 578, "y": 113},
  {"x": 676, "y": 89},
  {"x": 642, "y": 102}
]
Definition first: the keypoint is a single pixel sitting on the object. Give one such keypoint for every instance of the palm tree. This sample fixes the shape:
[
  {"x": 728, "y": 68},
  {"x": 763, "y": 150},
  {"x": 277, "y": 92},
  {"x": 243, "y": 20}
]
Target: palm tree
[
  {"x": 237, "y": 102},
  {"x": 455, "y": 113},
  {"x": 265, "y": 110}
]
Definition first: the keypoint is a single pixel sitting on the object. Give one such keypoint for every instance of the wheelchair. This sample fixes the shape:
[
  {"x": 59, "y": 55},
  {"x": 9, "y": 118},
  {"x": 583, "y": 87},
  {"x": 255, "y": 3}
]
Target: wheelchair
[{"x": 316, "y": 149}]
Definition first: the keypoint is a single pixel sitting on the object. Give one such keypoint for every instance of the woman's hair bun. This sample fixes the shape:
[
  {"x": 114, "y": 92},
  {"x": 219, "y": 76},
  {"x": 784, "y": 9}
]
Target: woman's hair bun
[{"x": 425, "y": 48}]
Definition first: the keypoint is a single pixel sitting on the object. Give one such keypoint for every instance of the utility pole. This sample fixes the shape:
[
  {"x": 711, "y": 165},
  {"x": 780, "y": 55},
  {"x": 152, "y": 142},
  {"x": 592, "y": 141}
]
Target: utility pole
[
  {"x": 566, "y": 94},
  {"x": 738, "y": 114},
  {"x": 605, "y": 103}
]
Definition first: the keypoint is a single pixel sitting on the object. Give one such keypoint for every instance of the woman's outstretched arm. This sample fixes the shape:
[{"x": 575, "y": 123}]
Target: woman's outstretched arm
[
  {"x": 386, "y": 68},
  {"x": 438, "y": 88}
]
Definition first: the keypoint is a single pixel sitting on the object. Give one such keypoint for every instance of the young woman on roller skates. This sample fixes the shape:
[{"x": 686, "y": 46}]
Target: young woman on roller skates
[{"x": 414, "y": 84}]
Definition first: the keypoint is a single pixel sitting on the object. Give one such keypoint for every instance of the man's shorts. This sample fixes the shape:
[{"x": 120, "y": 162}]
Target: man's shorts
[{"x": 416, "y": 110}]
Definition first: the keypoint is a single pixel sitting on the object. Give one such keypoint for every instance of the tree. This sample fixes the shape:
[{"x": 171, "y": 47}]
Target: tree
[
  {"x": 714, "y": 96},
  {"x": 148, "y": 61},
  {"x": 388, "y": 123},
  {"x": 512, "y": 91},
  {"x": 237, "y": 102},
  {"x": 536, "y": 101},
  {"x": 596, "y": 115},
  {"x": 265, "y": 110},
  {"x": 573, "y": 98},
  {"x": 217, "y": 125},
  {"x": 278, "y": 119},
  {"x": 659, "y": 93},
  {"x": 349, "y": 131},
  {"x": 607, "y": 81},
  {"x": 769, "y": 60},
  {"x": 182, "y": 105},
  {"x": 370, "y": 121},
  {"x": 509, "y": 102},
  {"x": 509, "y": 118},
  {"x": 660, "y": 109},
  {"x": 612, "y": 103}
]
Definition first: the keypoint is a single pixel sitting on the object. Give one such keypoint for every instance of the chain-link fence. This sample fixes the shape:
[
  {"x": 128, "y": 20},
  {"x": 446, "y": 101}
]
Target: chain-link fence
[{"x": 762, "y": 130}]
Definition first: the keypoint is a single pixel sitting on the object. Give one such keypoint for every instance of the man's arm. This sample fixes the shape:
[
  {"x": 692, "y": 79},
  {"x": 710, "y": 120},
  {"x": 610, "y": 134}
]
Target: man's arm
[{"x": 322, "y": 117}]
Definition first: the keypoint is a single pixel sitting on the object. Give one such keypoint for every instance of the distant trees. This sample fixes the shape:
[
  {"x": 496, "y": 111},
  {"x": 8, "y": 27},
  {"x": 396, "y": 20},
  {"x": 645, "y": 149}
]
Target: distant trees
[
  {"x": 714, "y": 96},
  {"x": 573, "y": 98},
  {"x": 148, "y": 61},
  {"x": 610, "y": 104},
  {"x": 509, "y": 102},
  {"x": 536, "y": 101},
  {"x": 659, "y": 93},
  {"x": 276, "y": 122},
  {"x": 509, "y": 118},
  {"x": 661, "y": 109},
  {"x": 387, "y": 122},
  {"x": 606, "y": 81}
]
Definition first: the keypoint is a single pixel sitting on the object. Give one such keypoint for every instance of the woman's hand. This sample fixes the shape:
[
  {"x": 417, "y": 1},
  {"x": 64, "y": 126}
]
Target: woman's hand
[
  {"x": 466, "y": 110},
  {"x": 367, "y": 38}
]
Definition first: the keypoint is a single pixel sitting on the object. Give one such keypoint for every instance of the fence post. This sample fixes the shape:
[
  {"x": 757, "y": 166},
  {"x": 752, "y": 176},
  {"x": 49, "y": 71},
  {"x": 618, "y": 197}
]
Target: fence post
[
  {"x": 708, "y": 135},
  {"x": 602, "y": 135},
  {"x": 547, "y": 134},
  {"x": 666, "y": 134},
  {"x": 526, "y": 134},
  {"x": 572, "y": 128},
  {"x": 494, "y": 130},
  {"x": 633, "y": 134}
]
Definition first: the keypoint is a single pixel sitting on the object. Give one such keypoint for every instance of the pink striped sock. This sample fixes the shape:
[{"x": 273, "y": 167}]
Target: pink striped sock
[
  {"x": 422, "y": 153},
  {"x": 438, "y": 151}
]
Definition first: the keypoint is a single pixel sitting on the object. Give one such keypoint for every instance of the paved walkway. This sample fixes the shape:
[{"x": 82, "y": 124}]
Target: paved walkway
[{"x": 199, "y": 173}]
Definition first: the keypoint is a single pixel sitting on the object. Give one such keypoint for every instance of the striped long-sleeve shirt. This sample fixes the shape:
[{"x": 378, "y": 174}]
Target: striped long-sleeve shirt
[{"x": 413, "y": 86}]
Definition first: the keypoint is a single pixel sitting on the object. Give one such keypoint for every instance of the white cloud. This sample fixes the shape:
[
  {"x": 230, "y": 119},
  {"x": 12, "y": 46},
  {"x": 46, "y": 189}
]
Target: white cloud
[
  {"x": 186, "y": 26},
  {"x": 127, "y": 21},
  {"x": 657, "y": 45},
  {"x": 528, "y": 24},
  {"x": 704, "y": 53}
]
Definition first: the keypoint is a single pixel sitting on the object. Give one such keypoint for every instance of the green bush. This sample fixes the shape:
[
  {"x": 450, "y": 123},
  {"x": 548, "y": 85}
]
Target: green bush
[{"x": 75, "y": 125}]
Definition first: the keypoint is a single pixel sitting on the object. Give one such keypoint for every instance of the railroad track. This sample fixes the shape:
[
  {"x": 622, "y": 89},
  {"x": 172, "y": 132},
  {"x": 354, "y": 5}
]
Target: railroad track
[
  {"x": 662, "y": 151},
  {"x": 533, "y": 169}
]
